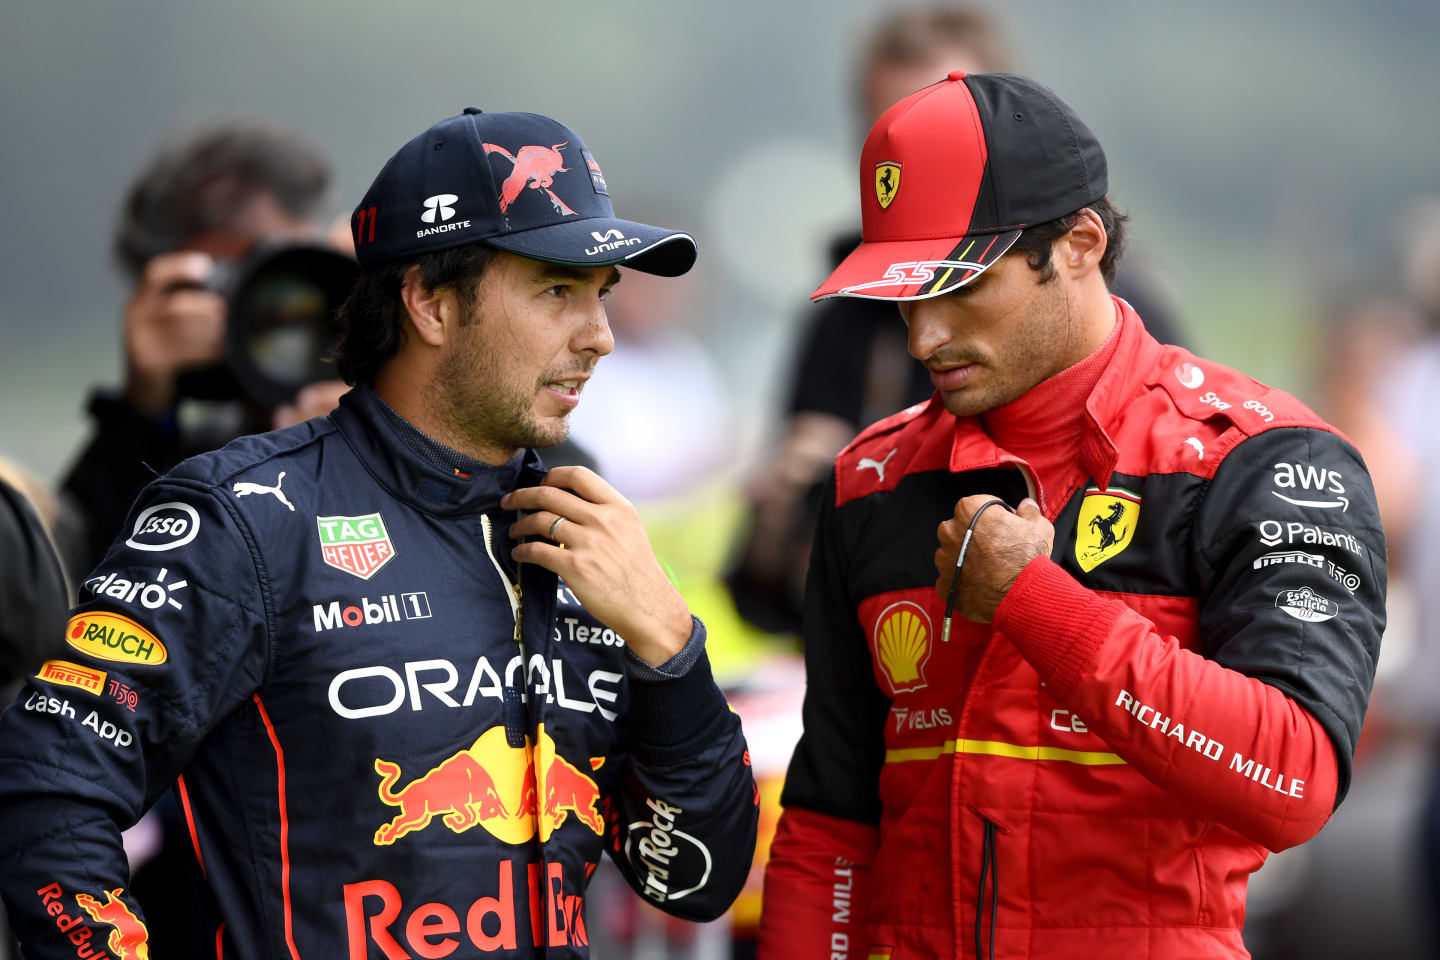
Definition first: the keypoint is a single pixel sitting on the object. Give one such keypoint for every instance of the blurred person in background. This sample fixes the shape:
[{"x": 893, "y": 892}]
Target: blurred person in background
[
  {"x": 1370, "y": 883},
  {"x": 851, "y": 367},
  {"x": 659, "y": 422},
  {"x": 1135, "y": 654},
  {"x": 1385, "y": 384},
  {"x": 1355, "y": 890},
  {"x": 198, "y": 210},
  {"x": 33, "y": 591}
]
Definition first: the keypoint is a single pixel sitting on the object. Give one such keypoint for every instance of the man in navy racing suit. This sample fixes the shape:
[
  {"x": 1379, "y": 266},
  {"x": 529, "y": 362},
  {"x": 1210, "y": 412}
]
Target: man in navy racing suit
[{"x": 406, "y": 683}]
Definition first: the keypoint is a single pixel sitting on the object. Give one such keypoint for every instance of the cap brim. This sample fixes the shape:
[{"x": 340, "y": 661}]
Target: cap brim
[
  {"x": 914, "y": 269},
  {"x": 603, "y": 242}
]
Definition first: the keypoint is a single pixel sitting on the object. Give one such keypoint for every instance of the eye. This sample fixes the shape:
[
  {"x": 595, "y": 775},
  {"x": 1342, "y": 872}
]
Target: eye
[
  {"x": 558, "y": 290},
  {"x": 605, "y": 292}
]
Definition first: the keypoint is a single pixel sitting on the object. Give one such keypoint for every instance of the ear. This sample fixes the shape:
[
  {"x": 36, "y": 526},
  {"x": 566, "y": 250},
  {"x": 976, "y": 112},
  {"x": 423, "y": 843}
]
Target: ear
[
  {"x": 427, "y": 310},
  {"x": 1080, "y": 250}
]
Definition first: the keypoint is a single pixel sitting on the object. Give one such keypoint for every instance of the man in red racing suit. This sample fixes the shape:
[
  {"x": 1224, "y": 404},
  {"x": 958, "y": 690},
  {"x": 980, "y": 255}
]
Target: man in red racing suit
[{"x": 1158, "y": 664}]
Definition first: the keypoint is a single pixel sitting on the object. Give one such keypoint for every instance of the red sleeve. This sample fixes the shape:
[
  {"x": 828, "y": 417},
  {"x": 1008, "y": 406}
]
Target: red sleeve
[
  {"x": 1240, "y": 750},
  {"x": 817, "y": 886}
]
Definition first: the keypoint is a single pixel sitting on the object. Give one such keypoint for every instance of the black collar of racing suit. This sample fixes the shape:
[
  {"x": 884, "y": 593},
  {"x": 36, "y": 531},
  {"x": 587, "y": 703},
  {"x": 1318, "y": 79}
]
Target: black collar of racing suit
[{"x": 412, "y": 478}]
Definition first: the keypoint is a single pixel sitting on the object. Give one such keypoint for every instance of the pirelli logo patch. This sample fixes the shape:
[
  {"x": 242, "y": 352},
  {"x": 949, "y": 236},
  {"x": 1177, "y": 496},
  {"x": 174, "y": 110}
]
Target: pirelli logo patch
[
  {"x": 72, "y": 675},
  {"x": 1106, "y": 525}
]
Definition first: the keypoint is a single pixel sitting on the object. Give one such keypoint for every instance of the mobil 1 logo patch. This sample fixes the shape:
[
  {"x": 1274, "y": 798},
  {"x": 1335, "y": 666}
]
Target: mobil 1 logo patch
[
  {"x": 164, "y": 526},
  {"x": 1307, "y": 605},
  {"x": 358, "y": 545},
  {"x": 388, "y": 609}
]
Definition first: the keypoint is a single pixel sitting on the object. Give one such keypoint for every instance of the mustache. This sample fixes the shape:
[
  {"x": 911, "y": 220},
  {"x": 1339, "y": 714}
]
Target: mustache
[
  {"x": 550, "y": 376},
  {"x": 952, "y": 359}
]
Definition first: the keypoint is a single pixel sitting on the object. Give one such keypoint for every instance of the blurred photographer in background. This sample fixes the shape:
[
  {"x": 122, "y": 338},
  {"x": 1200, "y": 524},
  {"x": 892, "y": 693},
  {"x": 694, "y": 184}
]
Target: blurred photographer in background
[{"x": 235, "y": 283}]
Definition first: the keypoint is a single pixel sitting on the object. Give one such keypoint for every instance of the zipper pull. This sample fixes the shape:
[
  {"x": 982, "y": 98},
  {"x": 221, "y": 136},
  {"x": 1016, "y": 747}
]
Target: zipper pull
[{"x": 512, "y": 590}]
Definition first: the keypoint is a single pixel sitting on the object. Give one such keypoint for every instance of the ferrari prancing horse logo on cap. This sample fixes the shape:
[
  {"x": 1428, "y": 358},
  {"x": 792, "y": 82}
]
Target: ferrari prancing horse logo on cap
[{"x": 887, "y": 182}]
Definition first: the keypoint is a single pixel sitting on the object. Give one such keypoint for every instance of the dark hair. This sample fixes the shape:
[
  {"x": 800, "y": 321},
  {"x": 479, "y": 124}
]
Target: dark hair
[
  {"x": 372, "y": 320},
  {"x": 1037, "y": 241},
  {"x": 916, "y": 34},
  {"x": 205, "y": 182}
]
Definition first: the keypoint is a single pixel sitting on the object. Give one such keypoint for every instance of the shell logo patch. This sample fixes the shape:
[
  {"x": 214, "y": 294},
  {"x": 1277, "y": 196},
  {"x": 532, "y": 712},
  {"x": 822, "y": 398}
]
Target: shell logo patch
[
  {"x": 904, "y": 637},
  {"x": 887, "y": 183},
  {"x": 1106, "y": 525}
]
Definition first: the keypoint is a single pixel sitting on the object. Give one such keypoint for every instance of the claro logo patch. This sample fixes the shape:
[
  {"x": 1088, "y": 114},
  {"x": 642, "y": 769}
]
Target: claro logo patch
[{"x": 109, "y": 636}]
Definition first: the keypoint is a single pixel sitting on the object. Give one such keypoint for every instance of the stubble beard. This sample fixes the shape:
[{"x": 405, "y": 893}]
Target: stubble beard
[
  {"x": 1033, "y": 353},
  {"x": 476, "y": 401}
]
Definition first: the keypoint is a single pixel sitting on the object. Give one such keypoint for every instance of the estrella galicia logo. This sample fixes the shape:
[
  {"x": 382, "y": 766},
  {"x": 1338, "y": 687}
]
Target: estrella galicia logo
[
  {"x": 165, "y": 526},
  {"x": 1307, "y": 605}
]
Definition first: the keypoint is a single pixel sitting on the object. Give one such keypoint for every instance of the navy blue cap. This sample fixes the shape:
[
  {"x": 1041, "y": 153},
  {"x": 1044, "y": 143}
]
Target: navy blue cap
[{"x": 517, "y": 181}]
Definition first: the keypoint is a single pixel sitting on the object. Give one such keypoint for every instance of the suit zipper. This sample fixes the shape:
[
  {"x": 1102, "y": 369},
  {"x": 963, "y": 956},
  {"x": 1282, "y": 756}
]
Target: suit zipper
[
  {"x": 989, "y": 868},
  {"x": 512, "y": 589},
  {"x": 516, "y": 598}
]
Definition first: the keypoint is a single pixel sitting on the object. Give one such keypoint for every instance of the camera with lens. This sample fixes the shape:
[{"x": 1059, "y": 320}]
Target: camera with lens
[{"x": 280, "y": 306}]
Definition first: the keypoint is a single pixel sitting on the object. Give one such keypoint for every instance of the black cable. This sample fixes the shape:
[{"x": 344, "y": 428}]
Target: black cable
[
  {"x": 955, "y": 584},
  {"x": 980, "y": 894},
  {"x": 994, "y": 884}
]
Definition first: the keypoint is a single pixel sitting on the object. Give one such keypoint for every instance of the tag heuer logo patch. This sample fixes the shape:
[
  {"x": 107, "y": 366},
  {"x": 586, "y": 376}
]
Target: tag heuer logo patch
[
  {"x": 358, "y": 545},
  {"x": 1107, "y": 522}
]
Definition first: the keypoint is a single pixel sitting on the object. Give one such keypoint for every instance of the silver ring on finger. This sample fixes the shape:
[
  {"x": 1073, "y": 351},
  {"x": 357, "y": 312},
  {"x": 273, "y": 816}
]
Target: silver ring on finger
[{"x": 553, "y": 526}]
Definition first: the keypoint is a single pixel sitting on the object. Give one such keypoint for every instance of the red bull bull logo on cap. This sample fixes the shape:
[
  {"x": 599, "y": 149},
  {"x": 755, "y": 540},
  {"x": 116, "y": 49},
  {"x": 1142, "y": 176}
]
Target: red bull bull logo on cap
[
  {"x": 534, "y": 167},
  {"x": 512, "y": 792}
]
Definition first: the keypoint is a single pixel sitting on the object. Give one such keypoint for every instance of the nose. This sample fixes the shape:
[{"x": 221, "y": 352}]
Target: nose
[
  {"x": 928, "y": 330},
  {"x": 594, "y": 336}
]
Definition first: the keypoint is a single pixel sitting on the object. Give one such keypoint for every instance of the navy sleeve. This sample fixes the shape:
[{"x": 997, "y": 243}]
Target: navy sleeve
[
  {"x": 836, "y": 766},
  {"x": 681, "y": 825},
  {"x": 170, "y": 636}
]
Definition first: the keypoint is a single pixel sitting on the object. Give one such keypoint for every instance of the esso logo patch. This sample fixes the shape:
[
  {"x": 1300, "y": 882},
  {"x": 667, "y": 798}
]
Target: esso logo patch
[{"x": 164, "y": 526}]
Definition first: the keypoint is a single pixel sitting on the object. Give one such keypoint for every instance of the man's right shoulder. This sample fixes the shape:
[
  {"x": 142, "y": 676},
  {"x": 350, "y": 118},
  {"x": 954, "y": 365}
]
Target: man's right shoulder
[
  {"x": 256, "y": 488},
  {"x": 254, "y": 454},
  {"x": 280, "y": 468},
  {"x": 917, "y": 438}
]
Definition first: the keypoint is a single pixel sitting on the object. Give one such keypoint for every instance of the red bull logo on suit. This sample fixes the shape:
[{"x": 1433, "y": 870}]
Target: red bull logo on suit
[{"x": 512, "y": 792}]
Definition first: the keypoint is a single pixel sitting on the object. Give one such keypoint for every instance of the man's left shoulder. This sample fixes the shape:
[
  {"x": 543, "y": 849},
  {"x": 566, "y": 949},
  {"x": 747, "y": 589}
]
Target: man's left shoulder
[{"x": 1196, "y": 411}]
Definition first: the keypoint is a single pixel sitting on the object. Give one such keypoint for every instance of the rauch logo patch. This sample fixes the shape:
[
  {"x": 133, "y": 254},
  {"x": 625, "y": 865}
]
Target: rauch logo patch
[{"x": 109, "y": 636}]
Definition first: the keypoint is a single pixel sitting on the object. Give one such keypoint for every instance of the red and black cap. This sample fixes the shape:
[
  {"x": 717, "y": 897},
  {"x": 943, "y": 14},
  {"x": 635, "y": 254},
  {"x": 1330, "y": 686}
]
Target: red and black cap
[
  {"x": 517, "y": 181},
  {"x": 952, "y": 174}
]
